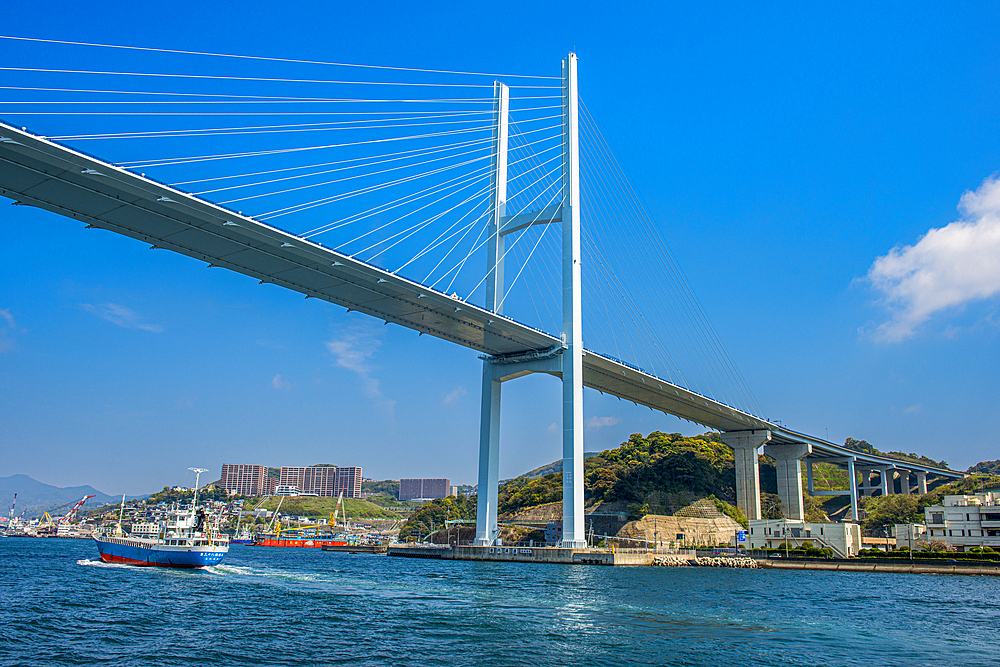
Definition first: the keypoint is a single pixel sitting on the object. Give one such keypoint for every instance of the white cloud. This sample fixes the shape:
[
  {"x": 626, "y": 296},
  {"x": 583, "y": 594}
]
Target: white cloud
[
  {"x": 598, "y": 422},
  {"x": 917, "y": 407},
  {"x": 354, "y": 350},
  {"x": 279, "y": 383},
  {"x": 553, "y": 428},
  {"x": 454, "y": 396},
  {"x": 948, "y": 267},
  {"x": 7, "y": 327},
  {"x": 120, "y": 316}
]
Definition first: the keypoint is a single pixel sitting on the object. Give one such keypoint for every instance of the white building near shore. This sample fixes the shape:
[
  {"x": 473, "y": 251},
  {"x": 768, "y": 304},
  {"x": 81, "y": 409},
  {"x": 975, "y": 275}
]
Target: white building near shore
[
  {"x": 966, "y": 521},
  {"x": 843, "y": 538}
]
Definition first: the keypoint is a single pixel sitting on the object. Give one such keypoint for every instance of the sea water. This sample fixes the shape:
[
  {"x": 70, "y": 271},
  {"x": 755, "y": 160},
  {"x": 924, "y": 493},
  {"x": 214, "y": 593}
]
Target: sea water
[{"x": 269, "y": 606}]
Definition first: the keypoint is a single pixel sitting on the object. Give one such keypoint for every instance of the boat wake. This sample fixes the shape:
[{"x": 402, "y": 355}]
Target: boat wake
[
  {"x": 229, "y": 569},
  {"x": 274, "y": 574},
  {"x": 101, "y": 563}
]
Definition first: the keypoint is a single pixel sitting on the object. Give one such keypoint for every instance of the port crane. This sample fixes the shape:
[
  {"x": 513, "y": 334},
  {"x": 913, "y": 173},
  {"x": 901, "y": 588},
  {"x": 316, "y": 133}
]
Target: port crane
[{"x": 71, "y": 514}]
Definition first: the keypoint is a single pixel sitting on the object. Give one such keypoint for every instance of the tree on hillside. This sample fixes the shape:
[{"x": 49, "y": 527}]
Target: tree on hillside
[
  {"x": 883, "y": 511},
  {"x": 388, "y": 487},
  {"x": 522, "y": 492},
  {"x": 665, "y": 463},
  {"x": 432, "y": 515},
  {"x": 865, "y": 446},
  {"x": 771, "y": 507},
  {"x": 986, "y": 467}
]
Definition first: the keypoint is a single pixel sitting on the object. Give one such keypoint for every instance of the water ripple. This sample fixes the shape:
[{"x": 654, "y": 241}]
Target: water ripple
[{"x": 62, "y": 606}]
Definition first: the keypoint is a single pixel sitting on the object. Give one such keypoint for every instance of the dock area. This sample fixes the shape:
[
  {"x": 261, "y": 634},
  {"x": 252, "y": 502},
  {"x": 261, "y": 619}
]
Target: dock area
[{"x": 521, "y": 554}]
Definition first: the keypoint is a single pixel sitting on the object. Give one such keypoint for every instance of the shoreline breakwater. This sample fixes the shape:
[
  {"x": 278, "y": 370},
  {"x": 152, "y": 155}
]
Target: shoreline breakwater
[{"x": 884, "y": 565}]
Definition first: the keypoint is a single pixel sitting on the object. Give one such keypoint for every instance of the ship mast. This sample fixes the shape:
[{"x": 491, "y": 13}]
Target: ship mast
[
  {"x": 197, "y": 473},
  {"x": 121, "y": 514}
]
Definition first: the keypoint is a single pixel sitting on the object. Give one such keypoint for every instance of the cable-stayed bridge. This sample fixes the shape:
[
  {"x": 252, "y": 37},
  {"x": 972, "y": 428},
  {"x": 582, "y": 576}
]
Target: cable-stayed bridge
[{"x": 504, "y": 199}]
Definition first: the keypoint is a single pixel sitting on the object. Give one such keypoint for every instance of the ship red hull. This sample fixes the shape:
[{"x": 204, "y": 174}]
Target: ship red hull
[
  {"x": 111, "y": 558},
  {"x": 290, "y": 542}
]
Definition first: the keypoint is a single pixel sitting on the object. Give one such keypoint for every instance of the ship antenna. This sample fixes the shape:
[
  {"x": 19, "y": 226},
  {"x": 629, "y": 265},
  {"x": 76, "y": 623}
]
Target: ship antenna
[
  {"x": 197, "y": 473},
  {"x": 121, "y": 513}
]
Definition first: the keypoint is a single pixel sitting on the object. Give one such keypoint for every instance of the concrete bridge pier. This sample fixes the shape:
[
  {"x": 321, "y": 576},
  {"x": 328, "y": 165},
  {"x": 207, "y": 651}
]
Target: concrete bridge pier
[
  {"x": 886, "y": 479},
  {"x": 788, "y": 463},
  {"x": 904, "y": 482},
  {"x": 921, "y": 483},
  {"x": 745, "y": 445},
  {"x": 866, "y": 487}
]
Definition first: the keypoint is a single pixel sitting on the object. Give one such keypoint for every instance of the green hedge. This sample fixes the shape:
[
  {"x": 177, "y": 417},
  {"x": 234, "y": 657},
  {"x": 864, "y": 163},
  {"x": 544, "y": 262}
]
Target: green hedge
[{"x": 937, "y": 555}]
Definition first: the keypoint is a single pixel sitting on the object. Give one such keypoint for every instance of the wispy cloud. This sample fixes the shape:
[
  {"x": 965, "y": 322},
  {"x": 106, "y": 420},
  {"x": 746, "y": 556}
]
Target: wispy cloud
[
  {"x": 120, "y": 316},
  {"x": 599, "y": 422},
  {"x": 280, "y": 383},
  {"x": 354, "y": 351},
  {"x": 454, "y": 396},
  {"x": 553, "y": 428},
  {"x": 8, "y": 327},
  {"x": 948, "y": 267},
  {"x": 917, "y": 407}
]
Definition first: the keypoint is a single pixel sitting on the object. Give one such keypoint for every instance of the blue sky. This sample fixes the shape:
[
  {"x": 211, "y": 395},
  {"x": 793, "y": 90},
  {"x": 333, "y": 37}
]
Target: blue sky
[{"x": 823, "y": 176}]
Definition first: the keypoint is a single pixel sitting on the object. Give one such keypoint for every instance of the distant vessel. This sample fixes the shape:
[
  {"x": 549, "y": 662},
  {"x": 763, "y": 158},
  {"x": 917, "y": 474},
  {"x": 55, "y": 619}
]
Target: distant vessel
[
  {"x": 305, "y": 536},
  {"x": 185, "y": 539},
  {"x": 316, "y": 541}
]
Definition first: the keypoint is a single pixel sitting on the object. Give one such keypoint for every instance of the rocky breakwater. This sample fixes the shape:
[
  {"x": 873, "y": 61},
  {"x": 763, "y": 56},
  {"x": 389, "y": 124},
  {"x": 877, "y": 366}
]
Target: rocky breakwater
[
  {"x": 725, "y": 561},
  {"x": 671, "y": 560}
]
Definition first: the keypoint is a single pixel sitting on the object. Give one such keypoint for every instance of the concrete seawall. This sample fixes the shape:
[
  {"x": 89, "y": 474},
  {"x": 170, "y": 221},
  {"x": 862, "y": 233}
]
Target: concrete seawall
[
  {"x": 881, "y": 565},
  {"x": 529, "y": 555}
]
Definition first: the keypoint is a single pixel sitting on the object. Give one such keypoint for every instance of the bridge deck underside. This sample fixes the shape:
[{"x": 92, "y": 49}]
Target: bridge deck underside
[{"x": 37, "y": 172}]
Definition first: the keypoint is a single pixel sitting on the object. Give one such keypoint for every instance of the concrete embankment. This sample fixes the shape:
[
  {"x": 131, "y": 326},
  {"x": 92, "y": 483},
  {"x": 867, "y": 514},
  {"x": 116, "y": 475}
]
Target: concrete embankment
[
  {"x": 881, "y": 565},
  {"x": 532, "y": 555}
]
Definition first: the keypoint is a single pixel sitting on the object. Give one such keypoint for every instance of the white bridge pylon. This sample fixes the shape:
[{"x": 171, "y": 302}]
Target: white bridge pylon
[{"x": 565, "y": 361}]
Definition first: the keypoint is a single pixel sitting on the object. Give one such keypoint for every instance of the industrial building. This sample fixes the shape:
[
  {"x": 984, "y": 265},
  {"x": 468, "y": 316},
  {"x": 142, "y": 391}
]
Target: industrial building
[{"x": 424, "y": 489}]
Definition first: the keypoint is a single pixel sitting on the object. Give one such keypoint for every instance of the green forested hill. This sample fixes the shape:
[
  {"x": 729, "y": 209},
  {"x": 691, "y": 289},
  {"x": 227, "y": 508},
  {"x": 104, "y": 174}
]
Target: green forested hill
[{"x": 658, "y": 473}]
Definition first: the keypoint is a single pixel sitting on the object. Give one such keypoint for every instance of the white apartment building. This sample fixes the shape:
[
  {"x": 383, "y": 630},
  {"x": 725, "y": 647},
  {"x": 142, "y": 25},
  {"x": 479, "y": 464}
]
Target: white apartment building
[
  {"x": 843, "y": 538},
  {"x": 966, "y": 521}
]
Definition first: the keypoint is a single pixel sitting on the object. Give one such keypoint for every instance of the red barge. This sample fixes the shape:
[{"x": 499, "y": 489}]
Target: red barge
[{"x": 313, "y": 542}]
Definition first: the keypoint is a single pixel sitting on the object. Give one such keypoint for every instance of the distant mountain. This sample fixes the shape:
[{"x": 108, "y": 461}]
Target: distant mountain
[{"x": 35, "y": 498}]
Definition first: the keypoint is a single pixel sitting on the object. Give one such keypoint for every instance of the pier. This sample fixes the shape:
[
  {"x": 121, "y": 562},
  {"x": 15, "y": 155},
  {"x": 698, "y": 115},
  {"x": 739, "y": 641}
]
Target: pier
[{"x": 522, "y": 554}]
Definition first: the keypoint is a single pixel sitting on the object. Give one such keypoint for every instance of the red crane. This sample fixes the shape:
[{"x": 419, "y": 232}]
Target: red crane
[{"x": 70, "y": 515}]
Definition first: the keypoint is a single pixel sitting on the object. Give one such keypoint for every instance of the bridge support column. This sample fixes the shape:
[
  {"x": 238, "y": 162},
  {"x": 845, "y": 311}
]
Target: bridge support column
[
  {"x": 489, "y": 460},
  {"x": 904, "y": 482},
  {"x": 866, "y": 482},
  {"x": 852, "y": 477},
  {"x": 572, "y": 361},
  {"x": 745, "y": 445},
  {"x": 809, "y": 476},
  {"x": 921, "y": 483},
  {"x": 489, "y": 426},
  {"x": 787, "y": 462},
  {"x": 885, "y": 477}
]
